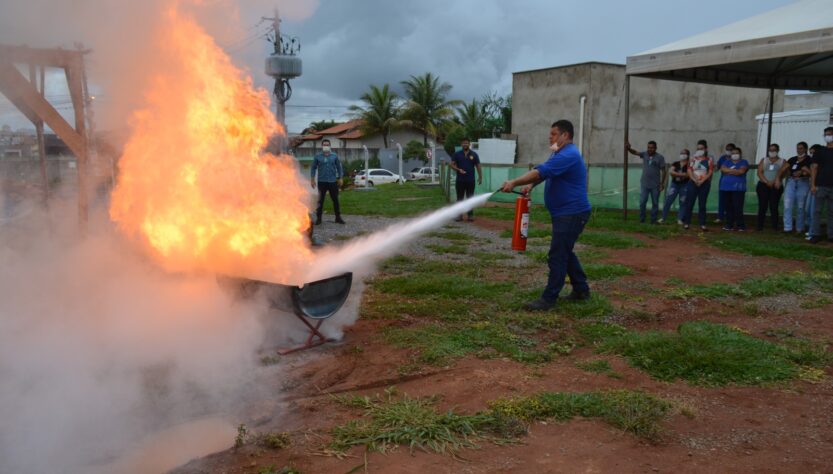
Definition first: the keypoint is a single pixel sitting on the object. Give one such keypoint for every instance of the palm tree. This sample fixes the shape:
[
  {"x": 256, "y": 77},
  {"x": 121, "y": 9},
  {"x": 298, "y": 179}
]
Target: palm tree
[
  {"x": 428, "y": 106},
  {"x": 472, "y": 116},
  {"x": 380, "y": 113}
]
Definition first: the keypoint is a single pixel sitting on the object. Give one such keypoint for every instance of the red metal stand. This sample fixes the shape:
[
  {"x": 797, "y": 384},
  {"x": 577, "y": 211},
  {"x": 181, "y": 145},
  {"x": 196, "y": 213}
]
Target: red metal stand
[{"x": 315, "y": 337}]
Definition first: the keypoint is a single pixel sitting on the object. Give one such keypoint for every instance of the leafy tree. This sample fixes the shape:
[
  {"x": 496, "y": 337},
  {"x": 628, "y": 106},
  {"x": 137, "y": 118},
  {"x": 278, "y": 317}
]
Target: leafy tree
[
  {"x": 414, "y": 149},
  {"x": 498, "y": 112},
  {"x": 428, "y": 106},
  {"x": 379, "y": 113},
  {"x": 472, "y": 117},
  {"x": 453, "y": 136},
  {"x": 320, "y": 125}
]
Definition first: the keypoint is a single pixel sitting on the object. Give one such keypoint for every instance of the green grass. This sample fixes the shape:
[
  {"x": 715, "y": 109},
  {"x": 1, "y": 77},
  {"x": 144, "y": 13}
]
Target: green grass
[
  {"x": 442, "y": 285},
  {"x": 389, "y": 421},
  {"x": 770, "y": 285},
  {"x": 389, "y": 200},
  {"x": 605, "y": 271},
  {"x": 708, "y": 354},
  {"x": 611, "y": 220},
  {"x": 772, "y": 245},
  {"x": 453, "y": 249},
  {"x": 438, "y": 344},
  {"x": 609, "y": 240},
  {"x": 638, "y": 413},
  {"x": 598, "y": 366},
  {"x": 454, "y": 236}
]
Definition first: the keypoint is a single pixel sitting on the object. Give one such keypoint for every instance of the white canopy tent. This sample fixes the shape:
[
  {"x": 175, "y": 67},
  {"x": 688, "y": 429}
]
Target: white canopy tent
[{"x": 787, "y": 48}]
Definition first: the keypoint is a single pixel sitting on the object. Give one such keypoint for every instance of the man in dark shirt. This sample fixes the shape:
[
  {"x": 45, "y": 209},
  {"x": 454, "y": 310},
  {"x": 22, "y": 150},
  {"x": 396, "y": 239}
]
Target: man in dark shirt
[
  {"x": 464, "y": 163},
  {"x": 565, "y": 195},
  {"x": 821, "y": 185},
  {"x": 653, "y": 179}
]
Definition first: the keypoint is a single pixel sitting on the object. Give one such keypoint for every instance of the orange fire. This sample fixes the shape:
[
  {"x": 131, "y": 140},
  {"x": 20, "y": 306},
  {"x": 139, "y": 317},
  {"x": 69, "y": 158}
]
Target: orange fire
[{"x": 194, "y": 185}]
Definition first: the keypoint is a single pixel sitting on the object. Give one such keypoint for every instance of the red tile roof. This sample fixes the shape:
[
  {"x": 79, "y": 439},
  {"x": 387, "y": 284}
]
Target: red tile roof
[
  {"x": 340, "y": 128},
  {"x": 352, "y": 135}
]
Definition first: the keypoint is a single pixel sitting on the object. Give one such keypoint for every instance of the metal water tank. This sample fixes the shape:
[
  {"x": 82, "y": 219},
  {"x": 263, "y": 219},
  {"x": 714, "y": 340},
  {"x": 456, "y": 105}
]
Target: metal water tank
[{"x": 283, "y": 66}]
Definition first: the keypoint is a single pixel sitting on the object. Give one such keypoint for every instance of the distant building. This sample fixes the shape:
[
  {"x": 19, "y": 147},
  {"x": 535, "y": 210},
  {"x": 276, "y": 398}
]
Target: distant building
[
  {"x": 674, "y": 114},
  {"x": 347, "y": 140}
]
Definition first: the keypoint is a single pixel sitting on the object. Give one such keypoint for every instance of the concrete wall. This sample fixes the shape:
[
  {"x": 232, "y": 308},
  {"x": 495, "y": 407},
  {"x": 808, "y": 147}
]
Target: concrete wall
[
  {"x": 674, "y": 114},
  {"x": 538, "y": 99}
]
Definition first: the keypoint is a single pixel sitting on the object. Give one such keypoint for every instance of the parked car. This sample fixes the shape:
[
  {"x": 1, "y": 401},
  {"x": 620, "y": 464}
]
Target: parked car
[
  {"x": 423, "y": 173},
  {"x": 377, "y": 176}
]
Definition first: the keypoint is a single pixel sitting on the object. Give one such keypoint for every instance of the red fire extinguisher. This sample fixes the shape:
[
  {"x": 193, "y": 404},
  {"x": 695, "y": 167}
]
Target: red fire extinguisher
[{"x": 521, "y": 229}]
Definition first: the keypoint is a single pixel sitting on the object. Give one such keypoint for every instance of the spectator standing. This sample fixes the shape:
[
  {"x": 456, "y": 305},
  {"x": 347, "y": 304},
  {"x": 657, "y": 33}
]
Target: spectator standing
[
  {"x": 769, "y": 187},
  {"x": 653, "y": 179},
  {"x": 811, "y": 199},
  {"x": 822, "y": 186},
  {"x": 733, "y": 189},
  {"x": 464, "y": 162},
  {"x": 700, "y": 171},
  {"x": 796, "y": 187},
  {"x": 330, "y": 174},
  {"x": 677, "y": 188},
  {"x": 721, "y": 205}
]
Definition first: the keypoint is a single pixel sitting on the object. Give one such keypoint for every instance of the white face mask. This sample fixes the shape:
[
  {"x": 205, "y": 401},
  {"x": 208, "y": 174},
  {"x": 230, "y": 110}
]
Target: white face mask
[
  {"x": 735, "y": 157},
  {"x": 683, "y": 157},
  {"x": 555, "y": 147},
  {"x": 325, "y": 148},
  {"x": 828, "y": 138},
  {"x": 773, "y": 154},
  {"x": 699, "y": 153},
  {"x": 801, "y": 155}
]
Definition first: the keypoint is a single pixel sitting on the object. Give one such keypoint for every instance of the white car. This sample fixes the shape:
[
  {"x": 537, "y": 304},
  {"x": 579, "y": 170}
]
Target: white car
[
  {"x": 423, "y": 173},
  {"x": 377, "y": 176}
]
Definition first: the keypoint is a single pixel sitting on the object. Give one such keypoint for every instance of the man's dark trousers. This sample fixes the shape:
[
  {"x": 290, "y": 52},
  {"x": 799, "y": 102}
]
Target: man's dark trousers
[
  {"x": 465, "y": 190},
  {"x": 563, "y": 261},
  {"x": 323, "y": 188}
]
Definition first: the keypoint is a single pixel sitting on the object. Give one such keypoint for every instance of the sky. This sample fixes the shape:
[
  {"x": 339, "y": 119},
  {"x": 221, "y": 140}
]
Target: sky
[{"x": 475, "y": 45}]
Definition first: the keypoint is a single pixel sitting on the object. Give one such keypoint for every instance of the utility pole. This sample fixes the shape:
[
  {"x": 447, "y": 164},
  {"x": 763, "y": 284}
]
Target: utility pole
[{"x": 283, "y": 64}]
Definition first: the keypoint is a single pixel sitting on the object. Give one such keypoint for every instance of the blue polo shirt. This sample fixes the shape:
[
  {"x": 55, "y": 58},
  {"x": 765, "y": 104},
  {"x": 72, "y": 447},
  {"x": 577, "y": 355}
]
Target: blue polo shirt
[
  {"x": 328, "y": 167},
  {"x": 730, "y": 182},
  {"x": 467, "y": 163},
  {"x": 565, "y": 191}
]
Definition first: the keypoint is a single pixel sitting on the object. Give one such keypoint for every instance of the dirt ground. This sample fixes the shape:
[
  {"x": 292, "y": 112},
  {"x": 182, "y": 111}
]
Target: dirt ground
[{"x": 731, "y": 429}]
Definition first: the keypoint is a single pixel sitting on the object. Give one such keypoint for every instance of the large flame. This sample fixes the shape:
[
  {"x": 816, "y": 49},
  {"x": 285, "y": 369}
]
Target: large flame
[{"x": 194, "y": 184}]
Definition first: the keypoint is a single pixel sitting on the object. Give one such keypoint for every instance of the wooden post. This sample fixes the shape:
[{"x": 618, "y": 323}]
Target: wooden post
[
  {"x": 40, "y": 85},
  {"x": 74, "y": 74}
]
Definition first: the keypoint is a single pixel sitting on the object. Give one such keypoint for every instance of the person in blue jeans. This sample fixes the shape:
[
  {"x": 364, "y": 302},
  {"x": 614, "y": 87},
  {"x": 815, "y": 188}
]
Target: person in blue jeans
[
  {"x": 565, "y": 195},
  {"x": 653, "y": 179},
  {"x": 700, "y": 171},
  {"x": 677, "y": 188},
  {"x": 721, "y": 205},
  {"x": 811, "y": 199},
  {"x": 733, "y": 189},
  {"x": 796, "y": 188}
]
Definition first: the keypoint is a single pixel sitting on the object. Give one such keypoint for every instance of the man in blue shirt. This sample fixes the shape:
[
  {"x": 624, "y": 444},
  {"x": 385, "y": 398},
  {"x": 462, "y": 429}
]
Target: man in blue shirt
[
  {"x": 330, "y": 173},
  {"x": 464, "y": 163},
  {"x": 565, "y": 195}
]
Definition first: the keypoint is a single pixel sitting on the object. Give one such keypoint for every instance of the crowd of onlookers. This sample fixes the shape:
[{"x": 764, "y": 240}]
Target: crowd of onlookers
[{"x": 805, "y": 181}]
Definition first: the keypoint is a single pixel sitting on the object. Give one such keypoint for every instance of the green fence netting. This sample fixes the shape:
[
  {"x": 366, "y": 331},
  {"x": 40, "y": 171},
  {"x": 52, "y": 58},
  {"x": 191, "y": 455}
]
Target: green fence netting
[{"x": 604, "y": 187}]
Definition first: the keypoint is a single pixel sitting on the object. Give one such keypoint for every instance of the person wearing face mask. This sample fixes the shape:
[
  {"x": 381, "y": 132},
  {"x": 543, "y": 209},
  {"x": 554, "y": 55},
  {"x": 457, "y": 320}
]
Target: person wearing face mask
[
  {"x": 769, "y": 186},
  {"x": 700, "y": 171},
  {"x": 653, "y": 179},
  {"x": 721, "y": 205},
  {"x": 810, "y": 205},
  {"x": 821, "y": 185},
  {"x": 330, "y": 174},
  {"x": 679, "y": 180},
  {"x": 797, "y": 186},
  {"x": 464, "y": 163},
  {"x": 565, "y": 195},
  {"x": 733, "y": 189}
]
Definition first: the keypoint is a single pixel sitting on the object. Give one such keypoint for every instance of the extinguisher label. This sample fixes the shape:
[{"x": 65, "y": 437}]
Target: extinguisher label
[{"x": 524, "y": 225}]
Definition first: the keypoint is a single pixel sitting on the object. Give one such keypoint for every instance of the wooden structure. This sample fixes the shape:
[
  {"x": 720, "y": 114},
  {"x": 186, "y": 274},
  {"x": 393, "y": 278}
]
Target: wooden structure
[{"x": 28, "y": 95}]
